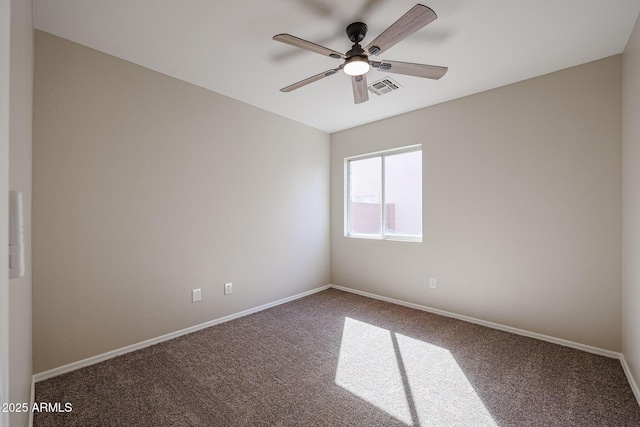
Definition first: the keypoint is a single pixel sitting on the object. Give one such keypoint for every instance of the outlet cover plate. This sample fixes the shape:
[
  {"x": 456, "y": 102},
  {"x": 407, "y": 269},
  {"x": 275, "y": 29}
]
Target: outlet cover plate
[
  {"x": 228, "y": 288},
  {"x": 196, "y": 295}
]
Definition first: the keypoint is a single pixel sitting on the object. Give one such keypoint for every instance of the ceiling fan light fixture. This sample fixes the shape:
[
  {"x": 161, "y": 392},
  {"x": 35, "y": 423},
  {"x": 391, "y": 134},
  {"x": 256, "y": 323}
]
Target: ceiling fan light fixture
[{"x": 356, "y": 65}]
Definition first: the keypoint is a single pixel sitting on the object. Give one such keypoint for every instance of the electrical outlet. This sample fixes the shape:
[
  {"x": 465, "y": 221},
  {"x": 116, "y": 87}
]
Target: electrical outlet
[
  {"x": 228, "y": 288},
  {"x": 196, "y": 295},
  {"x": 432, "y": 282}
]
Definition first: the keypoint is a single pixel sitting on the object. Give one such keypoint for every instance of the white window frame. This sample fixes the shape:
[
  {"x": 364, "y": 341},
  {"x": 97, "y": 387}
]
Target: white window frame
[{"x": 347, "y": 187}]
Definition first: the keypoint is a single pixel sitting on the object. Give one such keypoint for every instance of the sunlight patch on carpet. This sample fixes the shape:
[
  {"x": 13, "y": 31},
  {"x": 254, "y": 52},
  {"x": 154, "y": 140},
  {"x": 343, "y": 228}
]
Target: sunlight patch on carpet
[{"x": 415, "y": 382}]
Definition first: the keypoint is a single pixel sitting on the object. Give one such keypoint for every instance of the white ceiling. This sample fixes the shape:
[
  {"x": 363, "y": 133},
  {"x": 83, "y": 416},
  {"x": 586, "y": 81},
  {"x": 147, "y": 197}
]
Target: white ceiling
[{"x": 226, "y": 46}]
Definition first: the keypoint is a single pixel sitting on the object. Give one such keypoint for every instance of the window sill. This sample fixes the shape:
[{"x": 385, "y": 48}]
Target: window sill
[{"x": 392, "y": 238}]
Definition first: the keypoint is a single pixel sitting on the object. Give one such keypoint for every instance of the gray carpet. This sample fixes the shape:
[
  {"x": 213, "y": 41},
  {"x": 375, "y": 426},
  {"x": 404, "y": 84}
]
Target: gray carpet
[{"x": 339, "y": 359}]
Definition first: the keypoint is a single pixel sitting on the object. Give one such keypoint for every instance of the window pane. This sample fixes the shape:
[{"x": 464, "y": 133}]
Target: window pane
[
  {"x": 403, "y": 194},
  {"x": 365, "y": 196}
]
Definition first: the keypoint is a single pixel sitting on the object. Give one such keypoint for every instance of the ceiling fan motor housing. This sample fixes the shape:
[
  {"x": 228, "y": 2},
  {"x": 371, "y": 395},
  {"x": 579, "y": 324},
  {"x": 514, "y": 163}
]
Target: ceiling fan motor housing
[
  {"x": 357, "y": 31},
  {"x": 356, "y": 50}
]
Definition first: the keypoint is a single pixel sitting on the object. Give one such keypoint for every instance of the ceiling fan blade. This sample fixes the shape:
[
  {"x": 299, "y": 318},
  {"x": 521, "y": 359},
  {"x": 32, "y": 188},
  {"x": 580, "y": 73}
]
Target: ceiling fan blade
[
  {"x": 360, "y": 91},
  {"x": 417, "y": 70},
  {"x": 310, "y": 80},
  {"x": 417, "y": 17},
  {"x": 304, "y": 44}
]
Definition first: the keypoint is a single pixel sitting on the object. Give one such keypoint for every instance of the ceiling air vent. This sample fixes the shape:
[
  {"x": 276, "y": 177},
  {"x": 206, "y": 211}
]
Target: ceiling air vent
[{"x": 384, "y": 86}]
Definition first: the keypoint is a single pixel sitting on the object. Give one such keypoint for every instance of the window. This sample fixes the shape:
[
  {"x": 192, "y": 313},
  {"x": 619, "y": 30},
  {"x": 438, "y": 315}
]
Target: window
[{"x": 384, "y": 195}]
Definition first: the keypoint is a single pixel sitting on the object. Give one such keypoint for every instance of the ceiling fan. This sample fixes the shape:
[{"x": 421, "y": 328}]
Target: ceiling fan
[{"x": 356, "y": 61}]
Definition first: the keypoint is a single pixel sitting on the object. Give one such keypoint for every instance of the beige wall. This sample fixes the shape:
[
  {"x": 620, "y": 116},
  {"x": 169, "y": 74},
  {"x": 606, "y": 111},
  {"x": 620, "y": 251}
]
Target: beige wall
[
  {"x": 521, "y": 208},
  {"x": 146, "y": 187},
  {"x": 631, "y": 203}
]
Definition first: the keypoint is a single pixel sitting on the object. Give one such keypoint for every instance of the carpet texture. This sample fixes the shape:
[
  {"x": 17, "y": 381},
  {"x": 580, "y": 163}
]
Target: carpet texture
[{"x": 339, "y": 359}]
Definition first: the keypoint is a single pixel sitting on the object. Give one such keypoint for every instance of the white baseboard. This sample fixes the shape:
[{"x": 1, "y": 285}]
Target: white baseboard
[
  {"x": 632, "y": 381},
  {"x": 128, "y": 349},
  {"x": 566, "y": 343},
  {"x": 111, "y": 354}
]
